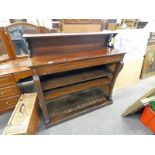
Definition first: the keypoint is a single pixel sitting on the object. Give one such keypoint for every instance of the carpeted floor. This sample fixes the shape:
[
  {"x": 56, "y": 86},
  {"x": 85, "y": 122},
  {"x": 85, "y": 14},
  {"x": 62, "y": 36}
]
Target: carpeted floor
[{"x": 104, "y": 121}]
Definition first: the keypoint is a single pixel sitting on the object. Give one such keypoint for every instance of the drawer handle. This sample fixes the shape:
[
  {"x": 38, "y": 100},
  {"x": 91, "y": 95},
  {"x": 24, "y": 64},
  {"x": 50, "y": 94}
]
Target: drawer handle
[{"x": 22, "y": 107}]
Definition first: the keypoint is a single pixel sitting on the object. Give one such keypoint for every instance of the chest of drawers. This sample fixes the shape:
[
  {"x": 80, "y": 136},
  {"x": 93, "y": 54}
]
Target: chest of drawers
[{"x": 9, "y": 93}]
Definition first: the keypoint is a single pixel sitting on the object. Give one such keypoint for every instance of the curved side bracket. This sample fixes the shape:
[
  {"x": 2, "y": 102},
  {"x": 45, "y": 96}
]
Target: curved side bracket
[
  {"x": 109, "y": 42},
  {"x": 118, "y": 69}
]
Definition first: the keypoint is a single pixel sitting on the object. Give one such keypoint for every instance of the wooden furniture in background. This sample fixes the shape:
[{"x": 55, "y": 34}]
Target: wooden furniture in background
[
  {"x": 14, "y": 36},
  {"x": 113, "y": 26},
  {"x": 9, "y": 93},
  {"x": 81, "y": 25},
  {"x": 11, "y": 73},
  {"x": 24, "y": 120},
  {"x": 131, "y": 23},
  {"x": 81, "y": 68},
  {"x": 13, "y": 70},
  {"x": 12, "y": 43},
  {"x": 56, "y": 24}
]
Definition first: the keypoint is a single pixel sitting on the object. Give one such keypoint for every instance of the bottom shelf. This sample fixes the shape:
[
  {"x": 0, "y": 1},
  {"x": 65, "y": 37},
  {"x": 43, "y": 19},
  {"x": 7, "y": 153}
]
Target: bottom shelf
[{"x": 76, "y": 104}]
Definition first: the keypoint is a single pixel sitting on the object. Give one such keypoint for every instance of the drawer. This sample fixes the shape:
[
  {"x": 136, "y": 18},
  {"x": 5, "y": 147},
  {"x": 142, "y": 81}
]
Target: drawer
[
  {"x": 9, "y": 91},
  {"x": 24, "y": 119},
  {"x": 8, "y": 103},
  {"x": 21, "y": 75},
  {"x": 57, "y": 68},
  {"x": 7, "y": 80}
]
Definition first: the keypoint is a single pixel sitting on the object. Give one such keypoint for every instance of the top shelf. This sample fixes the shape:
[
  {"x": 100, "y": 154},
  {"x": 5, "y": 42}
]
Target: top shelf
[{"x": 68, "y": 34}]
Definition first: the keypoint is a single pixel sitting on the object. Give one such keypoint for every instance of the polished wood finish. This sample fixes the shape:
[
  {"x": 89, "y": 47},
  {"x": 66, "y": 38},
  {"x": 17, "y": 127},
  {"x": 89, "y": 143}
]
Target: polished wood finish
[
  {"x": 8, "y": 104},
  {"x": 46, "y": 44},
  {"x": 24, "y": 119},
  {"x": 15, "y": 66},
  {"x": 12, "y": 72},
  {"x": 9, "y": 91},
  {"x": 56, "y": 68},
  {"x": 73, "y": 57},
  {"x": 7, "y": 80},
  {"x": 23, "y": 74},
  {"x": 57, "y": 61}
]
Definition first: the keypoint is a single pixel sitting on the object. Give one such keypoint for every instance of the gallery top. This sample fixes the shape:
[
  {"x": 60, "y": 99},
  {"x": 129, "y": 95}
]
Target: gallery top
[
  {"x": 67, "y": 34},
  {"x": 58, "y": 43}
]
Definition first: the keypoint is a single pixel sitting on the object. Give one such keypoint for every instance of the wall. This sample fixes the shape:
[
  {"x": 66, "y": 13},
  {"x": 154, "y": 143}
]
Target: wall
[{"x": 134, "y": 43}]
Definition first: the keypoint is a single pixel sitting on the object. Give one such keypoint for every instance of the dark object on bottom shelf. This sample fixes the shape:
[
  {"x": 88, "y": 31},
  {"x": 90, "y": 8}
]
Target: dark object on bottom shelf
[{"x": 73, "y": 105}]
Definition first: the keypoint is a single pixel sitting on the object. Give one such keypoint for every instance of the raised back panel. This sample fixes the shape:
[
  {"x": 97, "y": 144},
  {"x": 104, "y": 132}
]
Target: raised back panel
[{"x": 59, "y": 44}]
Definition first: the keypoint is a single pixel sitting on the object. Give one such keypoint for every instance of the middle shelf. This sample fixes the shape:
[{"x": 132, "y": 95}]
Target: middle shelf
[
  {"x": 72, "y": 77},
  {"x": 60, "y": 84},
  {"x": 51, "y": 94}
]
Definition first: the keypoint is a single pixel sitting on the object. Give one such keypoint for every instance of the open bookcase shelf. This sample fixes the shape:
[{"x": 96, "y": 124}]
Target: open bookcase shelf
[
  {"x": 72, "y": 77},
  {"x": 81, "y": 68},
  {"x": 57, "y": 85}
]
